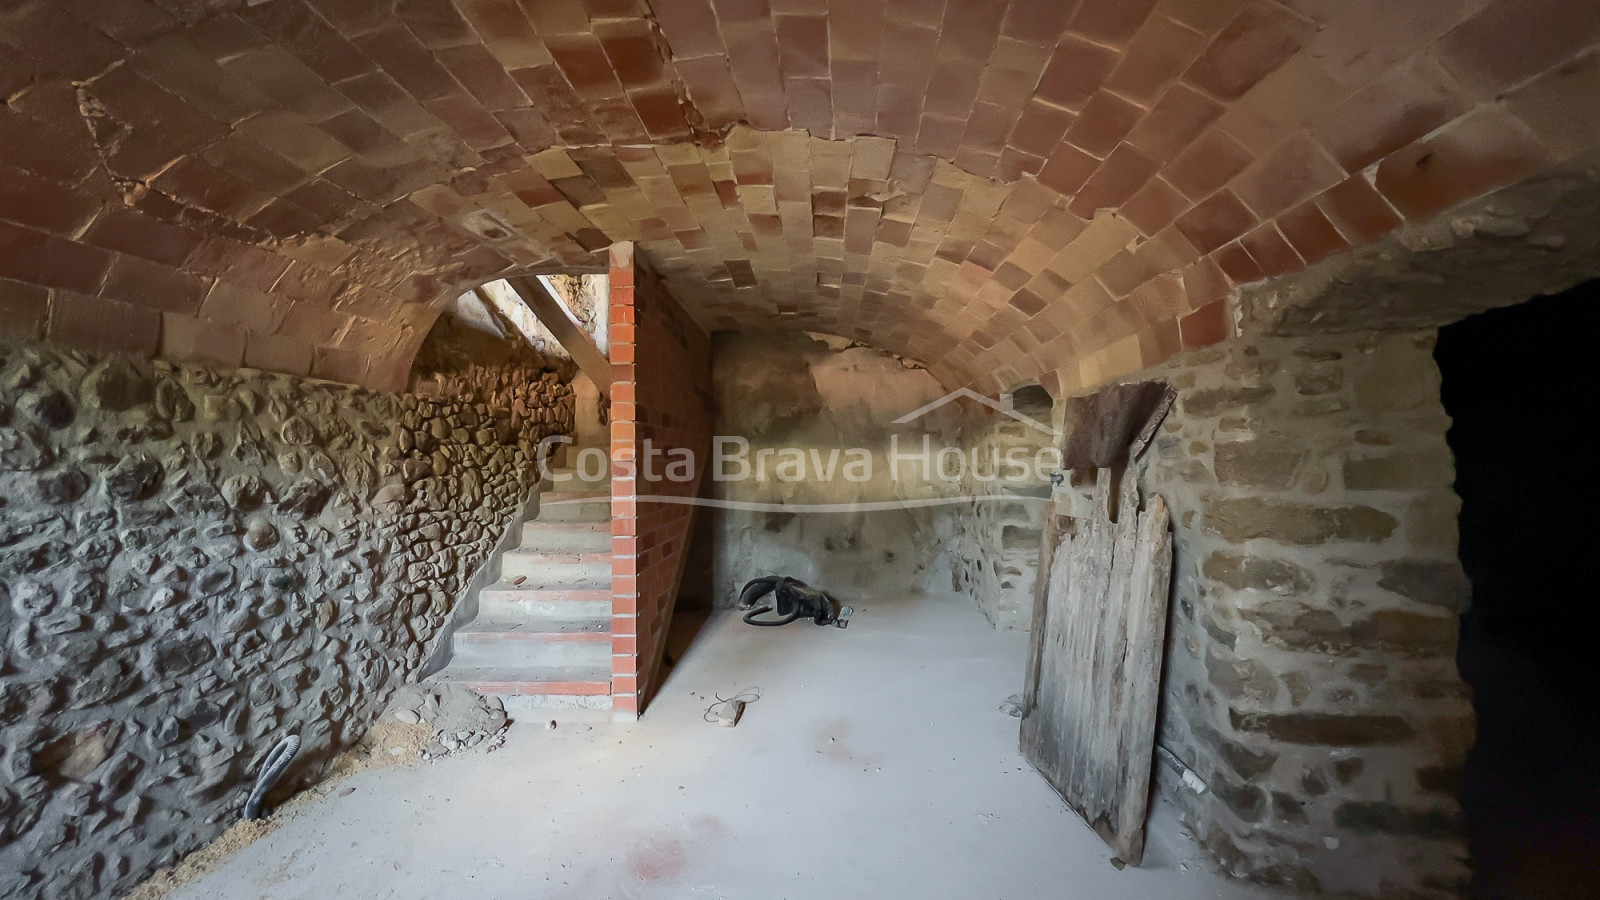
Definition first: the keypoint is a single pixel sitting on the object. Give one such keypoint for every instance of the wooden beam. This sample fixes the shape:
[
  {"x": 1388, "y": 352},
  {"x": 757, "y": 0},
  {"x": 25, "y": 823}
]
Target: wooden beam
[
  {"x": 553, "y": 313},
  {"x": 596, "y": 268}
]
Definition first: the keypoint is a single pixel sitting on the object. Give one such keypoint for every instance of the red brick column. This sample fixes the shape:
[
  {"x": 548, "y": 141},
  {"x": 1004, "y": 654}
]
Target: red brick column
[
  {"x": 661, "y": 401},
  {"x": 624, "y": 494}
]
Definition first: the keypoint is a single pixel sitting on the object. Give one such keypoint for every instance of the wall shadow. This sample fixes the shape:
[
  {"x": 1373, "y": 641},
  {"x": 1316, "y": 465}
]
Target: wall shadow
[{"x": 1517, "y": 382}]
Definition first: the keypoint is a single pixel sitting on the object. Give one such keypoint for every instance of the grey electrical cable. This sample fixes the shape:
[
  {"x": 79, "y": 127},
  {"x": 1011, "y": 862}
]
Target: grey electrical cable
[
  {"x": 277, "y": 762},
  {"x": 1190, "y": 779}
]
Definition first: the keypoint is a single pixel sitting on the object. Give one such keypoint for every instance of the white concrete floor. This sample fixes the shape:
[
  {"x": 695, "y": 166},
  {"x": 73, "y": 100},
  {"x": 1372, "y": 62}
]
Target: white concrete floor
[{"x": 875, "y": 764}]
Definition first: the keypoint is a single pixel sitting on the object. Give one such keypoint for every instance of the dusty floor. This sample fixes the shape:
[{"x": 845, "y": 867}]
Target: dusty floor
[{"x": 875, "y": 764}]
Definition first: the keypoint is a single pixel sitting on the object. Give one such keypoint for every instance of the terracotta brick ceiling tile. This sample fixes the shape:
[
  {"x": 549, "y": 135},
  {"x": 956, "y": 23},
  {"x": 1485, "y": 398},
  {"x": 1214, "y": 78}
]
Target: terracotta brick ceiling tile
[{"x": 999, "y": 187}]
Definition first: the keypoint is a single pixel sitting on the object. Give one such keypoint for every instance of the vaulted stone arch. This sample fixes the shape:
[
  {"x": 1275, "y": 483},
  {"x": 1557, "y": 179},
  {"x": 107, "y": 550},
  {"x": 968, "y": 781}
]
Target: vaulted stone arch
[{"x": 1009, "y": 191}]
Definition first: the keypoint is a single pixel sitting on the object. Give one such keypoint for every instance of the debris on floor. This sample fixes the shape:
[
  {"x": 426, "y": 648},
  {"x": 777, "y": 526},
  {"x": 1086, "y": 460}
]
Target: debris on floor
[
  {"x": 727, "y": 712},
  {"x": 459, "y": 718},
  {"x": 238, "y": 836},
  {"x": 728, "y": 715},
  {"x": 1013, "y": 706}
]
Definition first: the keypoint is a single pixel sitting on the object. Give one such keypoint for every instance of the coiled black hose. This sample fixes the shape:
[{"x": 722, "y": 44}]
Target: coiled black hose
[
  {"x": 754, "y": 590},
  {"x": 792, "y": 600},
  {"x": 751, "y": 617},
  {"x": 272, "y": 769}
]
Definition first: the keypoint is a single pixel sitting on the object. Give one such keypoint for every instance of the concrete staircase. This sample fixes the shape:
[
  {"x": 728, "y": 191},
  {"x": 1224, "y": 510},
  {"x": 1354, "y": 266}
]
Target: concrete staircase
[{"x": 543, "y": 631}]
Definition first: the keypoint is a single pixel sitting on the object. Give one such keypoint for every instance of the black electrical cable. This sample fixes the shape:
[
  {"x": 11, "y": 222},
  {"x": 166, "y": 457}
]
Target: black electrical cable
[{"x": 750, "y": 617}]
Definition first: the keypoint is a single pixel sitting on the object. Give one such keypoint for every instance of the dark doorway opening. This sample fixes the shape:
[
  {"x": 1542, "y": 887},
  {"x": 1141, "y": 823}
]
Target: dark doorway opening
[{"x": 1518, "y": 383}]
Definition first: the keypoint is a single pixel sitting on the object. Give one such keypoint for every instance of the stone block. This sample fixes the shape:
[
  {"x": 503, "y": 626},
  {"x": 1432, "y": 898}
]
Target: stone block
[
  {"x": 1434, "y": 582},
  {"x": 1257, "y": 573},
  {"x": 1288, "y": 809},
  {"x": 115, "y": 385},
  {"x": 1217, "y": 632},
  {"x": 1207, "y": 403},
  {"x": 1270, "y": 461},
  {"x": 1248, "y": 802},
  {"x": 1431, "y": 525},
  {"x": 1326, "y": 729},
  {"x": 1246, "y": 518},
  {"x": 1401, "y": 471},
  {"x": 1241, "y": 679},
  {"x": 1413, "y": 633},
  {"x": 1316, "y": 382},
  {"x": 1299, "y": 685},
  {"x": 1434, "y": 823},
  {"x": 1398, "y": 376},
  {"x": 1248, "y": 762},
  {"x": 1300, "y": 627}
]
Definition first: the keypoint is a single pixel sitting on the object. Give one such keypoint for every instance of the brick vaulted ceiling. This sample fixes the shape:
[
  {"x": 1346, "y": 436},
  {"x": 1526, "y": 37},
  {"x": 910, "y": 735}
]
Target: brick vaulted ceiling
[{"x": 1006, "y": 191}]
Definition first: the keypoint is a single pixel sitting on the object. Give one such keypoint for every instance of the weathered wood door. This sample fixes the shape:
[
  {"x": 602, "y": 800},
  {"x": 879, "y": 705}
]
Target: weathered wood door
[{"x": 1094, "y": 666}]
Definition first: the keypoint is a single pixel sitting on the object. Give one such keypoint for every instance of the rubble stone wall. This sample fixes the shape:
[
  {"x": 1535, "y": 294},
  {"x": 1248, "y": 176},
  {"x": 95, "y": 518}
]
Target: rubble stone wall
[
  {"x": 817, "y": 522},
  {"x": 198, "y": 562}
]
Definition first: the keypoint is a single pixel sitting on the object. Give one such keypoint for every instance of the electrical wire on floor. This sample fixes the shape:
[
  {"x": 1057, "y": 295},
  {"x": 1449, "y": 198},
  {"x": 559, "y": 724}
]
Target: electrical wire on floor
[{"x": 747, "y": 696}]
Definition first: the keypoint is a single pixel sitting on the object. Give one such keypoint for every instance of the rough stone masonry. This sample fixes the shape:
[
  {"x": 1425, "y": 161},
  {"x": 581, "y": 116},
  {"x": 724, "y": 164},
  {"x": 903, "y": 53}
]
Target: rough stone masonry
[
  {"x": 1310, "y": 676},
  {"x": 196, "y": 562}
]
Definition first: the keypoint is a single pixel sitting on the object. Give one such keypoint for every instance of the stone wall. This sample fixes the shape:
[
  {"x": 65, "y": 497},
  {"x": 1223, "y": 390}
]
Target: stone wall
[
  {"x": 816, "y": 393},
  {"x": 1310, "y": 675},
  {"x": 996, "y": 556},
  {"x": 198, "y": 562}
]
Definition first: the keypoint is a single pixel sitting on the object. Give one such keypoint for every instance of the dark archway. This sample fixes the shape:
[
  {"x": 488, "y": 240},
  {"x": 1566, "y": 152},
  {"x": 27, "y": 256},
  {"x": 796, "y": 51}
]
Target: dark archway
[{"x": 1517, "y": 384}]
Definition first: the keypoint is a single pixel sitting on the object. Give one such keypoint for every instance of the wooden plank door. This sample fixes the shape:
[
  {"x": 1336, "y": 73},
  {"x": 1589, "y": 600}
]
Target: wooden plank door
[{"x": 1094, "y": 665}]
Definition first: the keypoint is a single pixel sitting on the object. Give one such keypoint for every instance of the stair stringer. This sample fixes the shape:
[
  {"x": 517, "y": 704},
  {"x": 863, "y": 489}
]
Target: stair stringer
[{"x": 465, "y": 608}]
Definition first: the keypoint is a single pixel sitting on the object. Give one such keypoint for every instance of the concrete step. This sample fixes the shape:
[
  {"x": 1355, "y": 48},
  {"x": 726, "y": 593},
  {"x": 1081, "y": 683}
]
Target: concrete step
[
  {"x": 540, "y": 627},
  {"x": 539, "y": 641},
  {"x": 544, "y": 568},
  {"x": 566, "y": 557},
  {"x": 504, "y": 601},
  {"x": 587, "y": 577},
  {"x": 581, "y": 537},
  {"x": 575, "y": 506},
  {"x": 511, "y": 681},
  {"x": 539, "y": 654}
]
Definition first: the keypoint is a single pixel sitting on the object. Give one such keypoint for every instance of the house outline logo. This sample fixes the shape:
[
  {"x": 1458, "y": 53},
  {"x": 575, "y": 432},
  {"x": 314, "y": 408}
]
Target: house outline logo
[{"x": 1005, "y": 406}]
